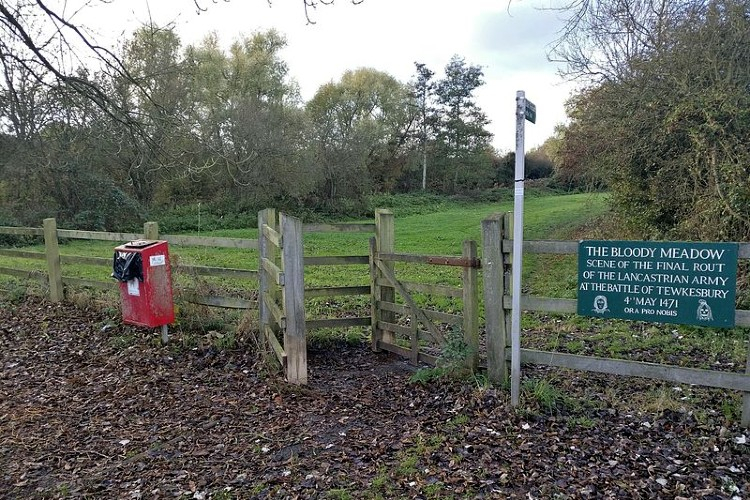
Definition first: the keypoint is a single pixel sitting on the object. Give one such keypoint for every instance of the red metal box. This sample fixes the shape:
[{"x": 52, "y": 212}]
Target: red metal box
[{"x": 146, "y": 296}]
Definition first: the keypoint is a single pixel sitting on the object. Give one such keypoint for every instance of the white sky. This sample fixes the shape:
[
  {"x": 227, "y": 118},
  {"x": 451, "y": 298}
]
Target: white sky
[{"x": 509, "y": 42}]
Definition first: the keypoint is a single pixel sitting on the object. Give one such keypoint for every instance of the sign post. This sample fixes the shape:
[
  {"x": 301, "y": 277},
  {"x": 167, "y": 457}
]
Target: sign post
[{"x": 525, "y": 110}]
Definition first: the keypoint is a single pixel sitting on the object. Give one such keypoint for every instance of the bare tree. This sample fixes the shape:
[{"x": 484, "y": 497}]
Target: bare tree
[
  {"x": 44, "y": 40},
  {"x": 47, "y": 46},
  {"x": 607, "y": 40}
]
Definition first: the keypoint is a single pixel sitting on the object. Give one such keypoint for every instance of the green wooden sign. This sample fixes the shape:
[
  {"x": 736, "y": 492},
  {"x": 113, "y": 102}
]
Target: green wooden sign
[
  {"x": 667, "y": 282},
  {"x": 530, "y": 111}
]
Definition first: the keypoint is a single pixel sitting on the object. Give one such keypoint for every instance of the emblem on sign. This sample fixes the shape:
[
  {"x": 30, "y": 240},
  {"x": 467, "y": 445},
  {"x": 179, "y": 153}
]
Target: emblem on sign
[
  {"x": 704, "y": 311},
  {"x": 600, "y": 304}
]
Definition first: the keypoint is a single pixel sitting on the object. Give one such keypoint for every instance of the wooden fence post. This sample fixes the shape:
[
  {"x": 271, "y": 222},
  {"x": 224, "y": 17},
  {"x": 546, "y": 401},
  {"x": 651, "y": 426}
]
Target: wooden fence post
[
  {"x": 54, "y": 268},
  {"x": 493, "y": 274},
  {"x": 385, "y": 242},
  {"x": 745, "y": 417},
  {"x": 470, "y": 291},
  {"x": 151, "y": 231},
  {"x": 293, "y": 296}
]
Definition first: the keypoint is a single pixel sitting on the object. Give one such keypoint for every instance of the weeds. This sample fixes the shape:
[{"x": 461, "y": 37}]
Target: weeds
[
  {"x": 339, "y": 494},
  {"x": 427, "y": 375},
  {"x": 544, "y": 393},
  {"x": 123, "y": 341},
  {"x": 451, "y": 363}
]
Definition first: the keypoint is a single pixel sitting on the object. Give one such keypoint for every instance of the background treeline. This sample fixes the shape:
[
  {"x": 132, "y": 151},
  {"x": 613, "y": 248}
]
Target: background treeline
[
  {"x": 661, "y": 120},
  {"x": 664, "y": 121},
  {"x": 227, "y": 127}
]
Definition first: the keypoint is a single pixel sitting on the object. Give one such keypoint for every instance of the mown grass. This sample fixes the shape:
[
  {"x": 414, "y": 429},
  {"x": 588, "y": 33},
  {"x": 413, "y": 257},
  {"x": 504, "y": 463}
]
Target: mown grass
[
  {"x": 437, "y": 232},
  {"x": 425, "y": 224},
  {"x": 435, "y": 226}
]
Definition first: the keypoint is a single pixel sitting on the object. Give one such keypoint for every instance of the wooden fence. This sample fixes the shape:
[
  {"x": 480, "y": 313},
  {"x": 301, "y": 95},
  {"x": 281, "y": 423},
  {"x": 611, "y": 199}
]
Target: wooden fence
[
  {"x": 339, "y": 260},
  {"x": 280, "y": 279},
  {"x": 395, "y": 326},
  {"x": 283, "y": 293},
  {"x": 497, "y": 257},
  {"x": 56, "y": 281}
]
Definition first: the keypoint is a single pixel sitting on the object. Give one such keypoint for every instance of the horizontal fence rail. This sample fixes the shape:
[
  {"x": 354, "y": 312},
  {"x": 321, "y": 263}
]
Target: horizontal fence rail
[
  {"x": 23, "y": 254},
  {"x": 337, "y": 322},
  {"x": 82, "y": 282},
  {"x": 668, "y": 373},
  {"x": 334, "y": 291},
  {"x": 22, "y": 231},
  {"x": 36, "y": 275},
  {"x": 150, "y": 232},
  {"x": 442, "y": 317},
  {"x": 332, "y": 260},
  {"x": 210, "y": 241},
  {"x": 338, "y": 228},
  {"x": 223, "y": 302},
  {"x": 97, "y": 235}
]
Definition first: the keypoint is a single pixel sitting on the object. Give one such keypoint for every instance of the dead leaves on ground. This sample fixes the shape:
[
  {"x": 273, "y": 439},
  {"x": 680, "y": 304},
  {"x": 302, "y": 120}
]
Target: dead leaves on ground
[{"x": 107, "y": 413}]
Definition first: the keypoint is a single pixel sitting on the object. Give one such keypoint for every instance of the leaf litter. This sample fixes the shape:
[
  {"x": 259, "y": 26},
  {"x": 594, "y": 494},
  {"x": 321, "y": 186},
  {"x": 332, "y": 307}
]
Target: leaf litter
[{"x": 85, "y": 414}]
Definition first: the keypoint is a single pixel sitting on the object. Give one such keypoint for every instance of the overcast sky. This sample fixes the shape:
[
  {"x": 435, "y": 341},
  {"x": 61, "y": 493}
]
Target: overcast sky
[{"x": 509, "y": 42}]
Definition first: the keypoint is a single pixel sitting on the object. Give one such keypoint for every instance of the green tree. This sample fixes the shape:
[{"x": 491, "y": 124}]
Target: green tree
[
  {"x": 248, "y": 121},
  {"x": 669, "y": 130},
  {"x": 462, "y": 157},
  {"x": 423, "y": 89},
  {"x": 360, "y": 128},
  {"x": 154, "y": 91}
]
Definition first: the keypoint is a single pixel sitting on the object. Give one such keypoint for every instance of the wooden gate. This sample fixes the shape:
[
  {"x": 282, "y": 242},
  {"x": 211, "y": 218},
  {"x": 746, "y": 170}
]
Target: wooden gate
[
  {"x": 398, "y": 325},
  {"x": 281, "y": 292}
]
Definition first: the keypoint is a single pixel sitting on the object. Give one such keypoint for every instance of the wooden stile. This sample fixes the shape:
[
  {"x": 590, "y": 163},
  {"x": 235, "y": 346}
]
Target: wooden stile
[
  {"x": 493, "y": 271},
  {"x": 470, "y": 292},
  {"x": 293, "y": 296}
]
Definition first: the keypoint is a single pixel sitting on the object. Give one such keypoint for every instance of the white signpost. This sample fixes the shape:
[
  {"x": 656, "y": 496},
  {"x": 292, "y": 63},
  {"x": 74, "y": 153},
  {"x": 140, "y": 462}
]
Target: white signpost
[{"x": 525, "y": 110}]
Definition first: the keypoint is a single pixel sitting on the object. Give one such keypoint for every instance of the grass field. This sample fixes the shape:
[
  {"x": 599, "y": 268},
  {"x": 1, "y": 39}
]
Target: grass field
[
  {"x": 437, "y": 232},
  {"x": 440, "y": 229},
  {"x": 424, "y": 224}
]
